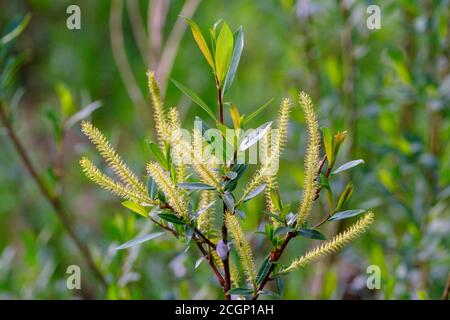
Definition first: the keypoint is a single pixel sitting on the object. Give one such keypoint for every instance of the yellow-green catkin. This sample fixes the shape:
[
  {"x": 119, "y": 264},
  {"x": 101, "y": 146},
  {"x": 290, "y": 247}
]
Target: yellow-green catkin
[
  {"x": 276, "y": 149},
  {"x": 205, "y": 168},
  {"x": 111, "y": 157},
  {"x": 335, "y": 244},
  {"x": 242, "y": 248},
  {"x": 94, "y": 174},
  {"x": 175, "y": 198},
  {"x": 234, "y": 271},
  {"x": 159, "y": 115},
  {"x": 311, "y": 158},
  {"x": 205, "y": 220},
  {"x": 178, "y": 154}
]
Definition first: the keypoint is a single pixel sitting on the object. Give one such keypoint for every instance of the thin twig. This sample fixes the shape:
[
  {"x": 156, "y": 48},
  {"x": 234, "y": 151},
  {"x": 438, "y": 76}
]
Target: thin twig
[
  {"x": 277, "y": 252},
  {"x": 447, "y": 289},
  {"x": 53, "y": 200},
  {"x": 210, "y": 262}
]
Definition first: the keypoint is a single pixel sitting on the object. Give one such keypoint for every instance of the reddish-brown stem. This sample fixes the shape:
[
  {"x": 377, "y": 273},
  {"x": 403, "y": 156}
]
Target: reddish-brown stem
[
  {"x": 274, "y": 257},
  {"x": 447, "y": 289},
  {"x": 210, "y": 262},
  {"x": 277, "y": 252},
  {"x": 226, "y": 264}
]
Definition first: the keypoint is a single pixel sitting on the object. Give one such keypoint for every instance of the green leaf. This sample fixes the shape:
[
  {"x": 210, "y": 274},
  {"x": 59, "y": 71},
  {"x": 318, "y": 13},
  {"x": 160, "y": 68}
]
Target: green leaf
[
  {"x": 281, "y": 231},
  {"x": 279, "y": 285},
  {"x": 171, "y": 218},
  {"x": 255, "y": 192},
  {"x": 235, "y": 116},
  {"x": 345, "y": 195},
  {"x": 269, "y": 231},
  {"x": 139, "y": 240},
  {"x": 195, "y": 186},
  {"x": 275, "y": 216},
  {"x": 276, "y": 199},
  {"x": 328, "y": 143},
  {"x": 159, "y": 155},
  {"x": 199, "y": 261},
  {"x": 311, "y": 234},
  {"x": 16, "y": 31},
  {"x": 152, "y": 188},
  {"x": 231, "y": 175},
  {"x": 241, "y": 291},
  {"x": 65, "y": 100},
  {"x": 228, "y": 200},
  {"x": 254, "y": 136},
  {"x": 135, "y": 207},
  {"x": 224, "y": 48},
  {"x": 348, "y": 165},
  {"x": 237, "y": 51},
  {"x": 198, "y": 37},
  {"x": 263, "y": 270},
  {"x": 194, "y": 97},
  {"x": 345, "y": 214},
  {"x": 256, "y": 112}
]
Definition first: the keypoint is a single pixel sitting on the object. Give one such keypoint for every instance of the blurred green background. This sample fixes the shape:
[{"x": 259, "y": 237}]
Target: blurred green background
[{"x": 390, "y": 88}]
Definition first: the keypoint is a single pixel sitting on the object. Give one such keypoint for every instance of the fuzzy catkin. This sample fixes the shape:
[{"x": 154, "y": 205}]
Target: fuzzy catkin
[
  {"x": 175, "y": 197},
  {"x": 178, "y": 154},
  {"x": 242, "y": 247},
  {"x": 111, "y": 157},
  {"x": 159, "y": 115},
  {"x": 311, "y": 158},
  {"x": 94, "y": 174},
  {"x": 334, "y": 244}
]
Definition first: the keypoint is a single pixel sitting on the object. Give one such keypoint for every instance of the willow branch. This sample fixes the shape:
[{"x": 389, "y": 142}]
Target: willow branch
[{"x": 54, "y": 201}]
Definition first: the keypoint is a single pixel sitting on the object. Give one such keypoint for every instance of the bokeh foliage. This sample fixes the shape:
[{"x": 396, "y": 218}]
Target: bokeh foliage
[{"x": 390, "y": 88}]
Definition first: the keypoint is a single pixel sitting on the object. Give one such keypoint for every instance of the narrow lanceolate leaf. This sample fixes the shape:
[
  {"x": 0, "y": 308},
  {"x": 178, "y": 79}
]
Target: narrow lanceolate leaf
[
  {"x": 254, "y": 136},
  {"x": 152, "y": 188},
  {"x": 224, "y": 49},
  {"x": 345, "y": 195},
  {"x": 328, "y": 142},
  {"x": 159, "y": 155},
  {"x": 203, "y": 209},
  {"x": 348, "y": 165},
  {"x": 228, "y": 200},
  {"x": 311, "y": 234},
  {"x": 345, "y": 214},
  {"x": 171, "y": 218},
  {"x": 16, "y": 31},
  {"x": 263, "y": 270},
  {"x": 135, "y": 207},
  {"x": 255, "y": 192},
  {"x": 231, "y": 175},
  {"x": 139, "y": 240},
  {"x": 199, "y": 262},
  {"x": 240, "y": 291},
  {"x": 200, "y": 40},
  {"x": 256, "y": 112},
  {"x": 237, "y": 51},
  {"x": 194, "y": 97},
  {"x": 195, "y": 186}
]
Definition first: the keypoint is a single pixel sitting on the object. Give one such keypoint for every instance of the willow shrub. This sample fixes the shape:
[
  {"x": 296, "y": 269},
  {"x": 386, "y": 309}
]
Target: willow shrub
[{"x": 191, "y": 188}]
